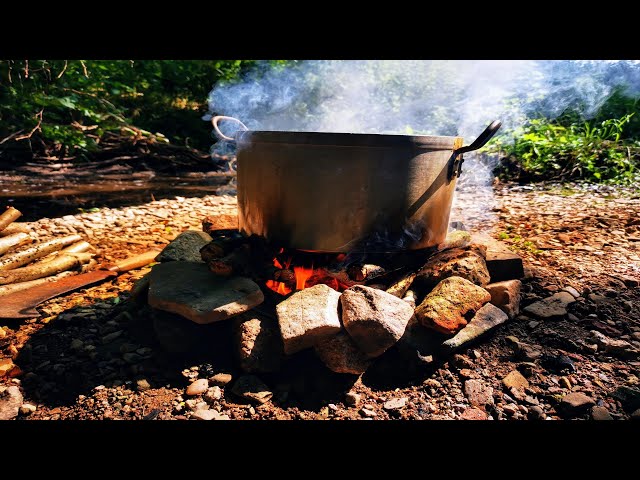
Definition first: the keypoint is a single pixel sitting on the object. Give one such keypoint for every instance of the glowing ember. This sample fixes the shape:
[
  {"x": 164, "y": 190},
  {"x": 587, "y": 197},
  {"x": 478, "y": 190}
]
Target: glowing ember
[
  {"x": 278, "y": 287},
  {"x": 302, "y": 274}
]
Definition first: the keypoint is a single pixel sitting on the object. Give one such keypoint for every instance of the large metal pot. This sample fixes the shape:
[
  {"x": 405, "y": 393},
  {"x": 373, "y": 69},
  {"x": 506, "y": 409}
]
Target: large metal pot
[{"x": 342, "y": 192}]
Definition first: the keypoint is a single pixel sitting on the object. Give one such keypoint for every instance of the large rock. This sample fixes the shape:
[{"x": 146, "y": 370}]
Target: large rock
[
  {"x": 185, "y": 247},
  {"x": 506, "y": 296},
  {"x": 373, "y": 318},
  {"x": 485, "y": 319},
  {"x": 258, "y": 343},
  {"x": 10, "y": 402},
  {"x": 502, "y": 263},
  {"x": 341, "y": 355},
  {"x": 222, "y": 221},
  {"x": 550, "y": 307},
  {"x": 307, "y": 317},
  {"x": 455, "y": 239},
  {"x": 467, "y": 263},
  {"x": 445, "y": 308},
  {"x": 189, "y": 289}
]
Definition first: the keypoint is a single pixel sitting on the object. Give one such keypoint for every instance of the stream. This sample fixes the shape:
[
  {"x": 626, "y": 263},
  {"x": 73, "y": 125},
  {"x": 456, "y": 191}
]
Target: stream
[{"x": 39, "y": 196}]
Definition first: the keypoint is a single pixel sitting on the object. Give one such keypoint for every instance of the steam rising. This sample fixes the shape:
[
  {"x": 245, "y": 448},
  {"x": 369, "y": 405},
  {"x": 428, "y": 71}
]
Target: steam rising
[{"x": 457, "y": 98}]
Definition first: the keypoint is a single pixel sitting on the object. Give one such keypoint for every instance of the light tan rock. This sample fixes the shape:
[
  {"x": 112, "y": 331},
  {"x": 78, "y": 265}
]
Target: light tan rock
[{"x": 506, "y": 296}]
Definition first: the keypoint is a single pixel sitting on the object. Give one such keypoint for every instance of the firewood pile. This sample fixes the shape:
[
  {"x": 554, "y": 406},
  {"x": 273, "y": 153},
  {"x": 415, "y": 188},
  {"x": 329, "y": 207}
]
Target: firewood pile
[{"x": 26, "y": 262}]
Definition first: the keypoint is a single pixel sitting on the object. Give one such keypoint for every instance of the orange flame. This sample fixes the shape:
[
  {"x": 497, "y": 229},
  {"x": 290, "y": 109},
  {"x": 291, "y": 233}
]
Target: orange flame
[{"x": 302, "y": 275}]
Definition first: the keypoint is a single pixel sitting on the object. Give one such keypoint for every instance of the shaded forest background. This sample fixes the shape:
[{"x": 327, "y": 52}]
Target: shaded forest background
[{"x": 94, "y": 110}]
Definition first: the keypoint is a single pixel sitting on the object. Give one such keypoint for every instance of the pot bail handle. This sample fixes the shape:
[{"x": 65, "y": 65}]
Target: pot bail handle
[
  {"x": 482, "y": 139},
  {"x": 219, "y": 134},
  {"x": 479, "y": 142}
]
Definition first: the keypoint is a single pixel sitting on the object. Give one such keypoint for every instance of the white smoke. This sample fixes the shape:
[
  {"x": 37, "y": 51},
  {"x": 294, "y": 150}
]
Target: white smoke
[{"x": 439, "y": 97}]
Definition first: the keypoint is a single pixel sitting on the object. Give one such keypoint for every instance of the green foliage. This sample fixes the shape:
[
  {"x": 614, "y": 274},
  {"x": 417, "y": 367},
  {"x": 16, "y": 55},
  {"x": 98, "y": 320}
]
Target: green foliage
[
  {"x": 60, "y": 107},
  {"x": 594, "y": 151}
]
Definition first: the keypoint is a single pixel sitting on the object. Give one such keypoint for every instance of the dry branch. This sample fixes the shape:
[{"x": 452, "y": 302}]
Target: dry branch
[
  {"x": 12, "y": 240},
  {"x": 8, "y": 216},
  {"x": 15, "y": 227},
  {"x": 59, "y": 264},
  {"x": 79, "y": 247},
  {"x": 16, "y": 287},
  {"x": 400, "y": 287},
  {"x": 37, "y": 251}
]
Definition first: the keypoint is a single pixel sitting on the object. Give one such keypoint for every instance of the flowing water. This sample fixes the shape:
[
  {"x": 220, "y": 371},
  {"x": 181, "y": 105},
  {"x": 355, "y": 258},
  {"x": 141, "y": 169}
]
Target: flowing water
[{"x": 55, "y": 195}]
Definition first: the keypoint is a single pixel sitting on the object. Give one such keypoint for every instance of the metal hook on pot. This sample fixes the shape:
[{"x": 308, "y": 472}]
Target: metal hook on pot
[
  {"x": 478, "y": 143},
  {"x": 219, "y": 134}
]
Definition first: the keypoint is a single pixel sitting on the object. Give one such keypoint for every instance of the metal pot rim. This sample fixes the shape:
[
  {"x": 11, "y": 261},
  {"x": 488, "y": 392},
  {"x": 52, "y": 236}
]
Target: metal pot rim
[{"x": 368, "y": 140}]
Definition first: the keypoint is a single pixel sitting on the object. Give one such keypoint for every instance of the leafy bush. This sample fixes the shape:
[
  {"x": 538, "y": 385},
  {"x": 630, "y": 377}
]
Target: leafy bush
[
  {"x": 594, "y": 151},
  {"x": 60, "y": 107}
]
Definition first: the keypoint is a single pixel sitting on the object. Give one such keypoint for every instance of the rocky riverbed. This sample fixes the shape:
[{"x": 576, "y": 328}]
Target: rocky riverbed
[{"x": 570, "y": 353}]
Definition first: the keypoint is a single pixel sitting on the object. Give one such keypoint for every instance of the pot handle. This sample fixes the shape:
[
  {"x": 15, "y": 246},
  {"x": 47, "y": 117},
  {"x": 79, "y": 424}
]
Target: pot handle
[
  {"x": 479, "y": 142},
  {"x": 219, "y": 134}
]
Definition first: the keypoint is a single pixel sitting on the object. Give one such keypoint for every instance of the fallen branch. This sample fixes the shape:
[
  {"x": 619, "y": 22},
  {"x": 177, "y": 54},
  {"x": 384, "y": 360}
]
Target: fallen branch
[
  {"x": 17, "y": 287},
  {"x": 11, "y": 241},
  {"x": 38, "y": 251},
  {"x": 8, "y": 216},
  {"x": 399, "y": 288},
  {"x": 79, "y": 247},
  {"x": 15, "y": 227},
  {"x": 38, "y": 270}
]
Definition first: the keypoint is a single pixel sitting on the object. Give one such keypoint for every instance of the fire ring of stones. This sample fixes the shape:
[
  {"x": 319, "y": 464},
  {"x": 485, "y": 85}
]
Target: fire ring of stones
[{"x": 348, "y": 308}]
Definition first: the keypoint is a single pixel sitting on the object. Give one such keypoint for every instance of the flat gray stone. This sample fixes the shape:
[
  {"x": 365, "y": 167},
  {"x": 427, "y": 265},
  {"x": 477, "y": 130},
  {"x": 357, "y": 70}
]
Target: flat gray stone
[
  {"x": 341, "y": 355},
  {"x": 258, "y": 343},
  {"x": 485, "y": 319},
  {"x": 10, "y": 402},
  {"x": 506, "y": 296},
  {"x": 191, "y": 290},
  {"x": 550, "y": 307},
  {"x": 307, "y": 317},
  {"x": 185, "y": 247},
  {"x": 373, "y": 318}
]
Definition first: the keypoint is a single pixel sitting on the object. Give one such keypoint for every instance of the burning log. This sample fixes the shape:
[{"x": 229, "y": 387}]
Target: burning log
[
  {"x": 220, "y": 247},
  {"x": 223, "y": 221},
  {"x": 15, "y": 227},
  {"x": 8, "y": 216},
  {"x": 10, "y": 241},
  {"x": 38, "y": 251},
  {"x": 47, "y": 268},
  {"x": 237, "y": 262},
  {"x": 363, "y": 272},
  {"x": 400, "y": 287},
  {"x": 17, "y": 287}
]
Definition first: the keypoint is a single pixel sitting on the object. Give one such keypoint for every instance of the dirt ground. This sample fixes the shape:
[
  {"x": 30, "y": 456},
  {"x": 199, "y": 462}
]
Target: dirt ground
[{"x": 93, "y": 353}]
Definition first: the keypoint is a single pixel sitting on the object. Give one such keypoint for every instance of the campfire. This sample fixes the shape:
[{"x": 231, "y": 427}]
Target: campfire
[{"x": 350, "y": 307}]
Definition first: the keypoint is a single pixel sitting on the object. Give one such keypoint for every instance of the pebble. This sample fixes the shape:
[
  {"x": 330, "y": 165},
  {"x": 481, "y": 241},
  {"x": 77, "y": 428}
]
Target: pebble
[
  {"x": 636, "y": 415},
  {"x": 220, "y": 379},
  {"x": 473, "y": 413},
  {"x": 510, "y": 408},
  {"x": 203, "y": 414},
  {"x": 367, "y": 413},
  {"x": 352, "y": 399},
  {"x": 198, "y": 387},
  {"x": 576, "y": 402},
  {"x": 600, "y": 413},
  {"x": 111, "y": 336},
  {"x": 395, "y": 404},
  {"x": 515, "y": 380},
  {"x": 143, "y": 385},
  {"x": 432, "y": 382},
  {"x": 536, "y": 413},
  {"x": 214, "y": 393},
  {"x": 27, "y": 409},
  {"x": 565, "y": 382}
]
